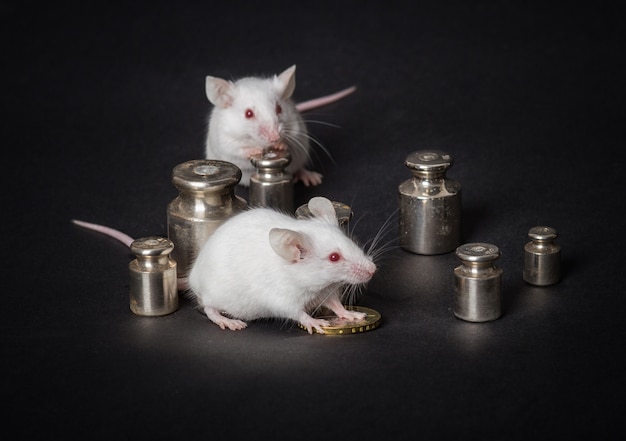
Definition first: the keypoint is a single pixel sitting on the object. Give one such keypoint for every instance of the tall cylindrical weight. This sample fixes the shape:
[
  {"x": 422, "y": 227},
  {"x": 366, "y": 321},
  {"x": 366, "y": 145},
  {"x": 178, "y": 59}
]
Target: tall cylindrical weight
[
  {"x": 271, "y": 186},
  {"x": 206, "y": 199},
  {"x": 152, "y": 287},
  {"x": 430, "y": 205},
  {"x": 542, "y": 257},
  {"x": 477, "y": 283}
]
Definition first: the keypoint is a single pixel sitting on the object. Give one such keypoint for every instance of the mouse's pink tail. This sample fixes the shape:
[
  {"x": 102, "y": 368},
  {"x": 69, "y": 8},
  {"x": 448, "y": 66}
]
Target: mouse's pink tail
[
  {"x": 182, "y": 284},
  {"x": 115, "y": 234},
  {"x": 324, "y": 100}
]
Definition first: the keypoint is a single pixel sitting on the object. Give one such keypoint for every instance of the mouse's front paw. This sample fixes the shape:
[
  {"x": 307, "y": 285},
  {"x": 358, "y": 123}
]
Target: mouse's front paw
[
  {"x": 252, "y": 151},
  {"x": 310, "y": 323},
  {"x": 353, "y": 315},
  {"x": 280, "y": 145}
]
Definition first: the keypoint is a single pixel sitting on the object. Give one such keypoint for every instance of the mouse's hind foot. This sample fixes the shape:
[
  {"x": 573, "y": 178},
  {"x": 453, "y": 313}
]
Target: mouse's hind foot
[
  {"x": 224, "y": 322},
  {"x": 310, "y": 323}
]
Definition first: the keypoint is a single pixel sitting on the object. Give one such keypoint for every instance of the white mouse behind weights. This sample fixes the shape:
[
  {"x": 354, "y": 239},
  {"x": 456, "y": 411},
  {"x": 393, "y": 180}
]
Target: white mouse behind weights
[
  {"x": 254, "y": 113},
  {"x": 265, "y": 264}
]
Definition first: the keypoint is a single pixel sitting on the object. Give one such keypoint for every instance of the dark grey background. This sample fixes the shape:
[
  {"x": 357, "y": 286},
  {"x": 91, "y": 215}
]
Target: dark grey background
[{"x": 100, "y": 102}]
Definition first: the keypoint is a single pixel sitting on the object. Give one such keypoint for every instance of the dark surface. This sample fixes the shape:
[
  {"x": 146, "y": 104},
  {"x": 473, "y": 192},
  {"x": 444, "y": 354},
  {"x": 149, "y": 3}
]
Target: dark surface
[{"x": 100, "y": 103}]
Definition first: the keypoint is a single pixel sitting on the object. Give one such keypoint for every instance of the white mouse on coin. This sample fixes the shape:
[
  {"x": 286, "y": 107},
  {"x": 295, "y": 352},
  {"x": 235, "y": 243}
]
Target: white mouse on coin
[{"x": 262, "y": 263}]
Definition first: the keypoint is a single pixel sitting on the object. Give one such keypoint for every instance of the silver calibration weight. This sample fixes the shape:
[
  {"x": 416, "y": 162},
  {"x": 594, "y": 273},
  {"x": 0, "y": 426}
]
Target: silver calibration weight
[
  {"x": 206, "y": 199},
  {"x": 477, "y": 283},
  {"x": 153, "y": 290},
  {"x": 271, "y": 186},
  {"x": 430, "y": 205}
]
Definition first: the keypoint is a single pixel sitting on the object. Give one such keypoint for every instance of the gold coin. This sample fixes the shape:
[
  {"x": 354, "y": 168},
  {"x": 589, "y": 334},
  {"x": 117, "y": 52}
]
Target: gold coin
[{"x": 341, "y": 326}]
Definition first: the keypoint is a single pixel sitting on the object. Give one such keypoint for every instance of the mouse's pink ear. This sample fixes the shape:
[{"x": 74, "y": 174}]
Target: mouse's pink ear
[
  {"x": 288, "y": 244},
  {"x": 286, "y": 82},
  {"x": 219, "y": 91},
  {"x": 322, "y": 208}
]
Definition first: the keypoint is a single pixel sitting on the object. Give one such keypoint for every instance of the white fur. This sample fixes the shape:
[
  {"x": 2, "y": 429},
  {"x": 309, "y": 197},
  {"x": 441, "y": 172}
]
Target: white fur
[
  {"x": 234, "y": 138},
  {"x": 265, "y": 264}
]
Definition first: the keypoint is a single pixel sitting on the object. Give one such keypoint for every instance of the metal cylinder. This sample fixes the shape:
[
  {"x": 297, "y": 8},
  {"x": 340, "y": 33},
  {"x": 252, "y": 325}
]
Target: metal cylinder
[
  {"x": 271, "y": 186},
  {"x": 206, "y": 199},
  {"x": 542, "y": 257},
  {"x": 430, "y": 205},
  {"x": 477, "y": 283},
  {"x": 153, "y": 289},
  {"x": 343, "y": 212}
]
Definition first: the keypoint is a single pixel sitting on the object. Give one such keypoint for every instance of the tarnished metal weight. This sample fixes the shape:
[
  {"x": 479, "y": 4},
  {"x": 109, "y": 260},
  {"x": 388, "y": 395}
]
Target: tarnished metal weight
[
  {"x": 271, "y": 186},
  {"x": 542, "y": 257},
  {"x": 206, "y": 200},
  {"x": 477, "y": 283},
  {"x": 430, "y": 205},
  {"x": 153, "y": 282}
]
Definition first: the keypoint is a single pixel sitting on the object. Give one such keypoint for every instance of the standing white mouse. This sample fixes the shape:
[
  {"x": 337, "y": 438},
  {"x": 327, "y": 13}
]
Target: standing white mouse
[
  {"x": 254, "y": 113},
  {"x": 265, "y": 264}
]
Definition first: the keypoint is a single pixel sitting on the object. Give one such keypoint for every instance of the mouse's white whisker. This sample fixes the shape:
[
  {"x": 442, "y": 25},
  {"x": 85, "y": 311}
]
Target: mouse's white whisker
[
  {"x": 321, "y": 146},
  {"x": 317, "y": 143},
  {"x": 352, "y": 293},
  {"x": 381, "y": 250},
  {"x": 352, "y": 225},
  {"x": 383, "y": 231},
  {"x": 374, "y": 248},
  {"x": 294, "y": 133},
  {"x": 322, "y": 123},
  {"x": 295, "y": 142}
]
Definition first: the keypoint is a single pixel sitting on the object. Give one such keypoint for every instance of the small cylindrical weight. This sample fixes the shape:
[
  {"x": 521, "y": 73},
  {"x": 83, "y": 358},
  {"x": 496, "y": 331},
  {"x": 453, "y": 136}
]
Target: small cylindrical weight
[
  {"x": 343, "y": 212},
  {"x": 271, "y": 186},
  {"x": 153, "y": 290},
  {"x": 430, "y": 205},
  {"x": 477, "y": 283},
  {"x": 206, "y": 200},
  {"x": 542, "y": 257}
]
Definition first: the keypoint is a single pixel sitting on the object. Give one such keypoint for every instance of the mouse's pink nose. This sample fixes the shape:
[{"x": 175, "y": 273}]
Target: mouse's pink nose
[
  {"x": 271, "y": 134},
  {"x": 364, "y": 272}
]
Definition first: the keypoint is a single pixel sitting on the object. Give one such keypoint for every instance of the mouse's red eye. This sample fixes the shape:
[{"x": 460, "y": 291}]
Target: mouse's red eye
[
  {"x": 279, "y": 109},
  {"x": 334, "y": 257},
  {"x": 249, "y": 113}
]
